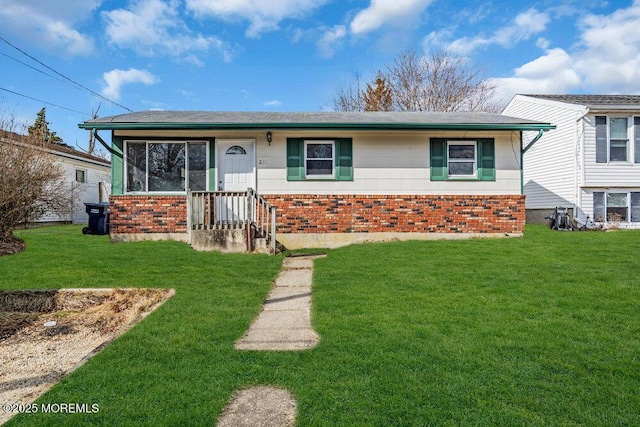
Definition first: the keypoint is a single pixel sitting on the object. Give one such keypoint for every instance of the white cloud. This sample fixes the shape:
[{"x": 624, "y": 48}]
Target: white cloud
[
  {"x": 524, "y": 26},
  {"x": 152, "y": 27},
  {"x": 262, "y": 15},
  {"x": 609, "y": 51},
  {"x": 553, "y": 72},
  {"x": 116, "y": 79},
  {"x": 330, "y": 39},
  {"x": 274, "y": 103},
  {"x": 49, "y": 25},
  {"x": 605, "y": 61},
  {"x": 384, "y": 12}
]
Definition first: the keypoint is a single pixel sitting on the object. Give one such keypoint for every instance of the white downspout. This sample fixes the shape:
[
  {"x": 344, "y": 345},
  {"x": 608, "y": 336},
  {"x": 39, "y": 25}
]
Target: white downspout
[{"x": 579, "y": 163}]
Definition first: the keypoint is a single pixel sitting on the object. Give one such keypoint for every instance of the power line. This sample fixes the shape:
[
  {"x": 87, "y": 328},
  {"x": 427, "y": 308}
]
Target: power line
[
  {"x": 64, "y": 77},
  {"x": 44, "y": 102},
  {"x": 32, "y": 67}
]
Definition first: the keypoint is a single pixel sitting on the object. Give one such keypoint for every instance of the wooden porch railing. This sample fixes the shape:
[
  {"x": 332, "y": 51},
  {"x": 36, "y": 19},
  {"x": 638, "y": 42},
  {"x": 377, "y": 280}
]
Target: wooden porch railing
[{"x": 233, "y": 210}]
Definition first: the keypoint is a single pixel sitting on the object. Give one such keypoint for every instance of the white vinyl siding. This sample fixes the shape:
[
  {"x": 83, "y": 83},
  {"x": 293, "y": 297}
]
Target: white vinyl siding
[
  {"x": 613, "y": 173},
  {"x": 389, "y": 163},
  {"x": 551, "y": 165}
]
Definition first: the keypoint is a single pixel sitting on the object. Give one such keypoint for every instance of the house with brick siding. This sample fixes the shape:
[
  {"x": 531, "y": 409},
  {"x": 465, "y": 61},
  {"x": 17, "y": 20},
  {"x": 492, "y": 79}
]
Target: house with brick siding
[{"x": 229, "y": 179}]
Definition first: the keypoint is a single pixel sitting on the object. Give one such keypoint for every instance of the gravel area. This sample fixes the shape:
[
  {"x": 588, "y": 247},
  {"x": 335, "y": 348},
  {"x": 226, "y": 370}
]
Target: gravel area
[{"x": 79, "y": 323}]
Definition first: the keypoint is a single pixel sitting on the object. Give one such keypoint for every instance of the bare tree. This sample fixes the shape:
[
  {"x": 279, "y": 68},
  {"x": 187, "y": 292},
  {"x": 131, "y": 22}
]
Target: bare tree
[
  {"x": 378, "y": 96},
  {"x": 350, "y": 98},
  {"x": 439, "y": 82},
  {"x": 31, "y": 182}
]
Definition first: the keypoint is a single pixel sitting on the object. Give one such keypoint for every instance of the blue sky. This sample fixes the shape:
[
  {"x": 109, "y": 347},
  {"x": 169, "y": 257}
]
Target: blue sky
[{"x": 293, "y": 55}]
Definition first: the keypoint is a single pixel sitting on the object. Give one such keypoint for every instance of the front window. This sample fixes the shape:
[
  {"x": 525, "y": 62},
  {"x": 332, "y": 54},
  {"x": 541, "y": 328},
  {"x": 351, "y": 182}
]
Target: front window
[
  {"x": 461, "y": 157},
  {"x": 319, "y": 159},
  {"x": 165, "y": 166},
  {"x": 618, "y": 139},
  {"x": 616, "y": 207}
]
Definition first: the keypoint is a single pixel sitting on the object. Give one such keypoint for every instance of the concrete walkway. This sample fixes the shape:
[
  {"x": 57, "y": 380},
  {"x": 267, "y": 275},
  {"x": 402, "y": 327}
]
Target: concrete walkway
[{"x": 285, "y": 320}]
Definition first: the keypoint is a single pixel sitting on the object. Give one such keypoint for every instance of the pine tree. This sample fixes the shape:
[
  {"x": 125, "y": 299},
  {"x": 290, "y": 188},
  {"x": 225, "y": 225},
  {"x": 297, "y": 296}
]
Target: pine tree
[
  {"x": 40, "y": 129},
  {"x": 378, "y": 97}
]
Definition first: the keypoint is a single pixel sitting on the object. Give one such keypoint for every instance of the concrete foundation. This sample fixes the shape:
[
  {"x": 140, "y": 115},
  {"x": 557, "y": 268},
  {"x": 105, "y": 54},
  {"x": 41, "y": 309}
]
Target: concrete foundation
[
  {"x": 219, "y": 240},
  {"x": 336, "y": 240}
]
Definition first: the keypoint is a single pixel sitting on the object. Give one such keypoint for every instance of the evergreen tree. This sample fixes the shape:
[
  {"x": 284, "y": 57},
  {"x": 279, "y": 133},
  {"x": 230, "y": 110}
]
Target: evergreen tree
[
  {"x": 40, "y": 129},
  {"x": 378, "y": 97}
]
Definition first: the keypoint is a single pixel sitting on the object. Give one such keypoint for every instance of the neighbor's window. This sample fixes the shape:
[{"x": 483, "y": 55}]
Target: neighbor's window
[
  {"x": 81, "y": 175},
  {"x": 319, "y": 159},
  {"x": 165, "y": 166},
  {"x": 616, "y": 207},
  {"x": 618, "y": 139},
  {"x": 612, "y": 139},
  {"x": 461, "y": 158}
]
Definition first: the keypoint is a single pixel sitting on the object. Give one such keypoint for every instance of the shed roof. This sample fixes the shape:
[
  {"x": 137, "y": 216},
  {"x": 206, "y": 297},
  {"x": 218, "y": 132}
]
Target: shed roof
[
  {"x": 596, "y": 101},
  {"x": 312, "y": 120}
]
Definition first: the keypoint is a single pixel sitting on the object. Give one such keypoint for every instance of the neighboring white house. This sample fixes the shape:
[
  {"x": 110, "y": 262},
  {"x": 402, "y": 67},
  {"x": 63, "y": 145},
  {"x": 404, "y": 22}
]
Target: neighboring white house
[
  {"x": 87, "y": 177},
  {"x": 590, "y": 163}
]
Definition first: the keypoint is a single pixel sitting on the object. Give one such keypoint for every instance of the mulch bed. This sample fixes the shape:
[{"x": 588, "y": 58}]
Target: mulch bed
[{"x": 11, "y": 247}]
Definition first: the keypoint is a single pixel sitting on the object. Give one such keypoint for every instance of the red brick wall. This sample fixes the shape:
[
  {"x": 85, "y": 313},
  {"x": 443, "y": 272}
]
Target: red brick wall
[
  {"x": 302, "y": 213},
  {"x": 148, "y": 214}
]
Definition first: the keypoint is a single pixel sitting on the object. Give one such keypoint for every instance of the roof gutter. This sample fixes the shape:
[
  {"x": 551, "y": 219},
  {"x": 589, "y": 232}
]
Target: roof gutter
[{"x": 335, "y": 126}]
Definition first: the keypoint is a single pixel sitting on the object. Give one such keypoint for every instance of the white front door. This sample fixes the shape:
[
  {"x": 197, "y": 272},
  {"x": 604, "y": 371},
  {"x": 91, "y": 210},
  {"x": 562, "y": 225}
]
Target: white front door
[
  {"x": 236, "y": 164},
  {"x": 236, "y": 173}
]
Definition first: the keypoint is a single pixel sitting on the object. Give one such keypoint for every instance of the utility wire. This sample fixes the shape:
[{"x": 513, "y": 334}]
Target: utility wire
[
  {"x": 65, "y": 77},
  {"x": 44, "y": 102},
  {"x": 32, "y": 67}
]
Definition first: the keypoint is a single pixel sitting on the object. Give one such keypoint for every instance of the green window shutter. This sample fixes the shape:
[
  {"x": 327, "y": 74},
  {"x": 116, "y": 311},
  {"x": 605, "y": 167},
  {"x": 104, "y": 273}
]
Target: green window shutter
[
  {"x": 486, "y": 160},
  {"x": 295, "y": 159},
  {"x": 601, "y": 139},
  {"x": 438, "y": 163},
  {"x": 344, "y": 159}
]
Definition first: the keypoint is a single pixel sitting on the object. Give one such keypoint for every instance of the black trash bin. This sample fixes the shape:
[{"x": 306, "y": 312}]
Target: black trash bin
[{"x": 98, "y": 218}]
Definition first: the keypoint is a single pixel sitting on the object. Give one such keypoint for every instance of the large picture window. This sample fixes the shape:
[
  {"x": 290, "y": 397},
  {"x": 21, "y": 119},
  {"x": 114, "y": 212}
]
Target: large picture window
[{"x": 165, "y": 166}]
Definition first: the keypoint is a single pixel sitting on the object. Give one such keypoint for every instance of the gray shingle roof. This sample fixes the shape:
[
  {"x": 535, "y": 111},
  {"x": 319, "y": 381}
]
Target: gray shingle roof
[
  {"x": 309, "y": 120},
  {"x": 631, "y": 101}
]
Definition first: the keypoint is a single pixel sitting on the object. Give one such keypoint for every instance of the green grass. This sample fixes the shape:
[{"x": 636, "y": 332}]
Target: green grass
[{"x": 541, "y": 330}]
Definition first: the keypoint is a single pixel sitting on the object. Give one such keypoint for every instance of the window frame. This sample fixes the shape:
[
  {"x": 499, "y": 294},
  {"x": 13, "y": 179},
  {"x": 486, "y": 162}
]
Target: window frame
[
  {"x": 631, "y": 142},
  {"x": 306, "y": 158},
  {"x": 185, "y": 175},
  {"x": 485, "y": 159},
  {"x": 604, "y": 206},
  {"x": 474, "y": 175},
  {"x": 84, "y": 175}
]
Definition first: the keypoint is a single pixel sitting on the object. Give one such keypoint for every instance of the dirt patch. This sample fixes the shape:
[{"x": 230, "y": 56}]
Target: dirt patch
[
  {"x": 259, "y": 406},
  {"x": 11, "y": 247},
  {"x": 45, "y": 335}
]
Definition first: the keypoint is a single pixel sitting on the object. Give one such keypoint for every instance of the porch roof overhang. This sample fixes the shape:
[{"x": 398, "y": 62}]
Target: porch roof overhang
[{"x": 205, "y": 120}]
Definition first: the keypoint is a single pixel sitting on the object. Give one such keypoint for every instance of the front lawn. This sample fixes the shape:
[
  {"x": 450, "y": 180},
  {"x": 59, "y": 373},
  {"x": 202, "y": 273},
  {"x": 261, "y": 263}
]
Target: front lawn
[{"x": 540, "y": 330}]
